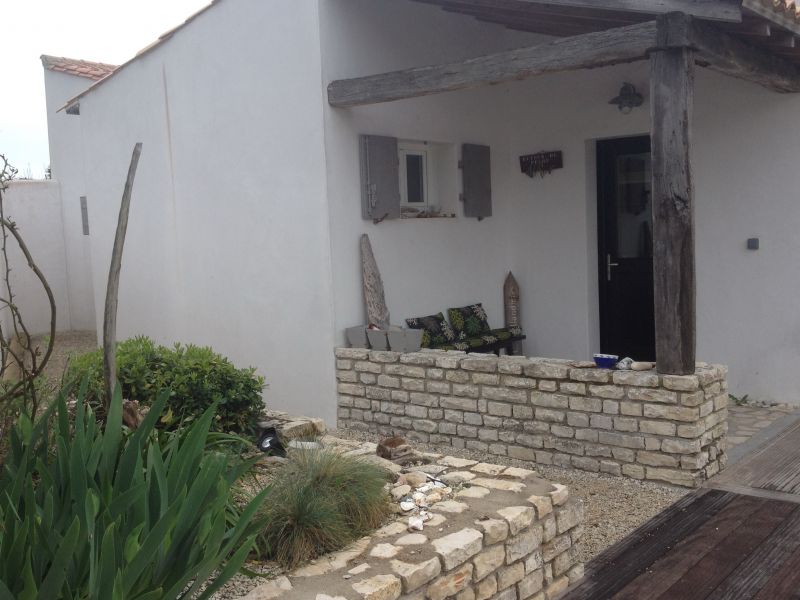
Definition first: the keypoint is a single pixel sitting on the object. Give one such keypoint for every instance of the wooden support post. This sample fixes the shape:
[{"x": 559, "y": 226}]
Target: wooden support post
[{"x": 672, "y": 88}]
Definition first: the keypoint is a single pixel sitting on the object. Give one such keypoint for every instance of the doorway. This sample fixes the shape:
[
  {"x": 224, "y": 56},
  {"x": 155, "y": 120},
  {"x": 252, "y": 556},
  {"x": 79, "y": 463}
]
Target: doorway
[{"x": 625, "y": 248}]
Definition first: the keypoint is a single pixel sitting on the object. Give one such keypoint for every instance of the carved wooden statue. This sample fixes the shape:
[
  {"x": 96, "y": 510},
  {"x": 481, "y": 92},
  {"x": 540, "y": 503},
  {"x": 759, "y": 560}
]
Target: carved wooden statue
[
  {"x": 511, "y": 302},
  {"x": 377, "y": 312}
]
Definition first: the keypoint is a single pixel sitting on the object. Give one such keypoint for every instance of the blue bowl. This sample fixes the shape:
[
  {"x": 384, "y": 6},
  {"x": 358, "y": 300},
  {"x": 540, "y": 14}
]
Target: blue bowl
[{"x": 606, "y": 361}]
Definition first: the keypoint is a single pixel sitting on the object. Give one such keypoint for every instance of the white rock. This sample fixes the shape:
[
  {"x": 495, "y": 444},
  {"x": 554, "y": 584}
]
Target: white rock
[
  {"x": 415, "y": 524},
  {"x": 384, "y": 551}
]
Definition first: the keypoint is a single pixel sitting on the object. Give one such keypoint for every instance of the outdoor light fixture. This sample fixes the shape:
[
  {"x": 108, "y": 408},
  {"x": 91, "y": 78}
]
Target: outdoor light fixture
[{"x": 628, "y": 99}]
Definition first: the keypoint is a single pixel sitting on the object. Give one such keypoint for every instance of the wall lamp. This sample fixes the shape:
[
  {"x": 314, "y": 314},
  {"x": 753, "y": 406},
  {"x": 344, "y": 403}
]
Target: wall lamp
[{"x": 628, "y": 99}]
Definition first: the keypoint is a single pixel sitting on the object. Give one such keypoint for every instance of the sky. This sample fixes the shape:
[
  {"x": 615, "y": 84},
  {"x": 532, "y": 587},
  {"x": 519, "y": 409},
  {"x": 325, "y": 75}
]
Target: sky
[{"x": 109, "y": 31}]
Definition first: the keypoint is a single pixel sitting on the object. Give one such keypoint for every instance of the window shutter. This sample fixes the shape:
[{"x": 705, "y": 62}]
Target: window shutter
[
  {"x": 476, "y": 172},
  {"x": 380, "y": 178}
]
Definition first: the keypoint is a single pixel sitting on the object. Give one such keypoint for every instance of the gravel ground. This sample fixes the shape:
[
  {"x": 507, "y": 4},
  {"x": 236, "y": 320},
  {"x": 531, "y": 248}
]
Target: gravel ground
[
  {"x": 615, "y": 506},
  {"x": 68, "y": 344}
]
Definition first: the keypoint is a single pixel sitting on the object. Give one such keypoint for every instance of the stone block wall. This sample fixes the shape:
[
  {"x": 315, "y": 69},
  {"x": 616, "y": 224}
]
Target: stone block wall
[{"x": 636, "y": 424}]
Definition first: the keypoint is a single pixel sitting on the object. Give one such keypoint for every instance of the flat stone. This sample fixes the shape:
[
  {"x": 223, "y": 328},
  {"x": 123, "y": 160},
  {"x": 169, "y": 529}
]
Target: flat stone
[
  {"x": 457, "y": 548},
  {"x": 335, "y": 561},
  {"x": 358, "y": 570},
  {"x": 457, "y": 477},
  {"x": 508, "y": 576},
  {"x": 384, "y": 551},
  {"x": 489, "y": 561},
  {"x": 271, "y": 589},
  {"x": 451, "y": 584},
  {"x": 523, "y": 544},
  {"x": 542, "y": 504},
  {"x": 435, "y": 520},
  {"x": 458, "y": 463},
  {"x": 391, "y": 529},
  {"x": 412, "y": 539},
  {"x": 488, "y": 469},
  {"x": 560, "y": 494},
  {"x": 499, "y": 484},
  {"x": 401, "y": 491},
  {"x": 414, "y": 576},
  {"x": 413, "y": 479},
  {"x": 451, "y": 506},
  {"x": 473, "y": 492},
  {"x": 380, "y": 587},
  {"x": 569, "y": 516},
  {"x": 518, "y": 473},
  {"x": 432, "y": 469},
  {"x": 518, "y": 517},
  {"x": 494, "y": 530},
  {"x": 326, "y": 597}
]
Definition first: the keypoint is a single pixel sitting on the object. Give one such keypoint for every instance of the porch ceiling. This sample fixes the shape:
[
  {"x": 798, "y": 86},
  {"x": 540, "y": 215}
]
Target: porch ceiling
[{"x": 773, "y": 25}]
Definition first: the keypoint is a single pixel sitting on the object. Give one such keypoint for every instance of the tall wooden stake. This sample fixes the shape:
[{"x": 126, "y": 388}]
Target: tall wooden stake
[
  {"x": 672, "y": 87},
  {"x": 112, "y": 291}
]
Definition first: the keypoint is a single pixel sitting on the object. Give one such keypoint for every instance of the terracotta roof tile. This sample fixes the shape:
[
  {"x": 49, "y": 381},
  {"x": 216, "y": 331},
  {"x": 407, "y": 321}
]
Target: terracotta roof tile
[{"x": 73, "y": 66}]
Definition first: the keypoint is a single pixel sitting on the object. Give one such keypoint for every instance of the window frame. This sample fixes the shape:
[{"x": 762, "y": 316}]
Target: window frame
[{"x": 405, "y": 149}]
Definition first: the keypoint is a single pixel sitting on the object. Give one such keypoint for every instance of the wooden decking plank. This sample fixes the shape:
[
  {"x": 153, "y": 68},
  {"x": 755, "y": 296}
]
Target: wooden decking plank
[
  {"x": 758, "y": 568},
  {"x": 701, "y": 580},
  {"x": 757, "y": 492},
  {"x": 784, "y": 583},
  {"x": 614, "y": 569},
  {"x": 666, "y": 571}
]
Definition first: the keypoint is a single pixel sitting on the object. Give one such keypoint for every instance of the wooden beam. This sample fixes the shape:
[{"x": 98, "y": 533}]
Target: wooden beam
[
  {"x": 598, "y": 49},
  {"x": 715, "y": 10},
  {"x": 671, "y": 99},
  {"x": 726, "y": 54},
  {"x": 768, "y": 12}
]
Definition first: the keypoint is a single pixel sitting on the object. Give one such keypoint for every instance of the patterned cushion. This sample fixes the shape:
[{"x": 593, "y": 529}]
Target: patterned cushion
[
  {"x": 437, "y": 331},
  {"x": 487, "y": 339},
  {"x": 469, "y": 321}
]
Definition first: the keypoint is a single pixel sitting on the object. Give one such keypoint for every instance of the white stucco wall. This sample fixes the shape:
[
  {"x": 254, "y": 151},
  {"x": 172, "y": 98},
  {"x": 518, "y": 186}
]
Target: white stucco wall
[
  {"x": 228, "y": 240},
  {"x": 66, "y": 164},
  {"x": 544, "y": 230},
  {"x": 35, "y": 206}
]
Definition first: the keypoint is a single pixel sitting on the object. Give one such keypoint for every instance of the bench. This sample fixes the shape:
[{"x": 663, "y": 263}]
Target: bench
[{"x": 468, "y": 331}]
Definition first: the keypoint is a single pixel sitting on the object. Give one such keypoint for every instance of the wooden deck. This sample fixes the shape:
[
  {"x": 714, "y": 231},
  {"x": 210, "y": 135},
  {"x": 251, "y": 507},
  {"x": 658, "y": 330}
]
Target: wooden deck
[{"x": 739, "y": 538}]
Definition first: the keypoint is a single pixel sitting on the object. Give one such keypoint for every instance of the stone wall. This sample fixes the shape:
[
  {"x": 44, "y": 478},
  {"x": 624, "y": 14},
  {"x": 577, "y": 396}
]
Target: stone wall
[
  {"x": 498, "y": 532},
  {"x": 636, "y": 424}
]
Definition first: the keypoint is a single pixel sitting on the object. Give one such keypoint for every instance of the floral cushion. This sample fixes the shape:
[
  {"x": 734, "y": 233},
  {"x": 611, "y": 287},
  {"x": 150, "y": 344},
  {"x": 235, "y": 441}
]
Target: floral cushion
[
  {"x": 494, "y": 336},
  {"x": 436, "y": 331},
  {"x": 469, "y": 321}
]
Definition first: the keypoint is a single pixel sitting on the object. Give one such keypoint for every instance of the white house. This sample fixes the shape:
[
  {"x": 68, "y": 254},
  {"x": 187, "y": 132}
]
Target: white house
[{"x": 247, "y": 208}]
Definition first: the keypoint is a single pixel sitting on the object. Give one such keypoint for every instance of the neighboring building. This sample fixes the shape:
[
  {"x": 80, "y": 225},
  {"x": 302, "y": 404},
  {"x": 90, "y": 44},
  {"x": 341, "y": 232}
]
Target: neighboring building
[{"x": 247, "y": 206}]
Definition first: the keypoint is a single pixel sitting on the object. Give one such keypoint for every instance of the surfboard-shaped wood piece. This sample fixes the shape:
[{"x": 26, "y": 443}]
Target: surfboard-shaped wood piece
[
  {"x": 511, "y": 302},
  {"x": 374, "y": 298}
]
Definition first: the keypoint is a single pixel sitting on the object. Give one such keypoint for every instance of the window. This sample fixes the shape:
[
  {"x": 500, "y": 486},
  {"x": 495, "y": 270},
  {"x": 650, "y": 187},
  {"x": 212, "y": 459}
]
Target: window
[{"x": 414, "y": 191}]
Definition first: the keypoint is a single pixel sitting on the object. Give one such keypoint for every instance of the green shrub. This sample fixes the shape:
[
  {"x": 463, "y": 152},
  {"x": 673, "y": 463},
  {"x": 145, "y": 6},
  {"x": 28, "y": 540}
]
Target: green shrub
[
  {"x": 319, "y": 502},
  {"x": 141, "y": 515},
  {"x": 196, "y": 377}
]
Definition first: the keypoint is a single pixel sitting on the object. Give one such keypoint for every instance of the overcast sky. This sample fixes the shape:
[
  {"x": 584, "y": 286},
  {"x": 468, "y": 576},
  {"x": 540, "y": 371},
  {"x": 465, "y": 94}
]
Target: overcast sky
[{"x": 110, "y": 31}]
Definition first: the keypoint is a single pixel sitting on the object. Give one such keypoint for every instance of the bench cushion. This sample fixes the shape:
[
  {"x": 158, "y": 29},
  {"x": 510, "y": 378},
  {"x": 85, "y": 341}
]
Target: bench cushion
[
  {"x": 493, "y": 336},
  {"x": 436, "y": 331},
  {"x": 469, "y": 321}
]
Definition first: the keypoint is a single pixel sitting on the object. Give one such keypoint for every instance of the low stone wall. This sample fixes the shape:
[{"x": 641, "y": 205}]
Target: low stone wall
[
  {"x": 497, "y": 532},
  {"x": 636, "y": 424}
]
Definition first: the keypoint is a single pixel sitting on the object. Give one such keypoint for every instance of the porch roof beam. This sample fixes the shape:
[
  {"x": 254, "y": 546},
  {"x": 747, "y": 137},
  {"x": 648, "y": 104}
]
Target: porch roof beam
[
  {"x": 586, "y": 51},
  {"x": 715, "y": 10},
  {"x": 724, "y": 53}
]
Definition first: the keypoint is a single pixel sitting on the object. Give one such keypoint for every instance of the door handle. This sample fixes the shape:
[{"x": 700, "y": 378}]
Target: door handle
[{"x": 609, "y": 265}]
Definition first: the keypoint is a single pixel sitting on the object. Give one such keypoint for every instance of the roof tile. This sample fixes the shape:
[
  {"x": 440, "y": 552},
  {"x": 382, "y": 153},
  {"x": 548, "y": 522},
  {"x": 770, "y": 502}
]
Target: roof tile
[{"x": 73, "y": 66}]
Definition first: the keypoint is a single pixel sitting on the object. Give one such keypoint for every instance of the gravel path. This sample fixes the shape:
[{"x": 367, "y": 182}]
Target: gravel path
[
  {"x": 615, "y": 506},
  {"x": 68, "y": 344}
]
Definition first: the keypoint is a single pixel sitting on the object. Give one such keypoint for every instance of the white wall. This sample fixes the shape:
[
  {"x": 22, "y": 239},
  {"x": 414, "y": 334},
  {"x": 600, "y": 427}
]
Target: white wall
[
  {"x": 35, "y": 206},
  {"x": 66, "y": 165},
  {"x": 747, "y": 142},
  {"x": 228, "y": 239}
]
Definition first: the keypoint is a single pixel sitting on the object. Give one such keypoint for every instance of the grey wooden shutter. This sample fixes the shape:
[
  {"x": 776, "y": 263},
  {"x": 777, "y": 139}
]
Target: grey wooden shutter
[
  {"x": 476, "y": 172},
  {"x": 380, "y": 177}
]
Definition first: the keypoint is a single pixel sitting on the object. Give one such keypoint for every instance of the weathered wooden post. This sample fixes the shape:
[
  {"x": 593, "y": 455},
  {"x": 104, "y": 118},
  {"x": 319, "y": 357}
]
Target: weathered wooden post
[
  {"x": 112, "y": 291},
  {"x": 671, "y": 97}
]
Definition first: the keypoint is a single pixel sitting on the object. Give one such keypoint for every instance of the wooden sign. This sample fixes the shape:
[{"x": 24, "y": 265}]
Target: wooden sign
[{"x": 542, "y": 163}]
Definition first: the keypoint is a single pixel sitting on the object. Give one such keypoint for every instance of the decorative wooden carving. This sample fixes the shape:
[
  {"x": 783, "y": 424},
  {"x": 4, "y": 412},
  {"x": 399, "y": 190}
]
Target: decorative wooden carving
[
  {"x": 511, "y": 302},
  {"x": 542, "y": 163},
  {"x": 374, "y": 298}
]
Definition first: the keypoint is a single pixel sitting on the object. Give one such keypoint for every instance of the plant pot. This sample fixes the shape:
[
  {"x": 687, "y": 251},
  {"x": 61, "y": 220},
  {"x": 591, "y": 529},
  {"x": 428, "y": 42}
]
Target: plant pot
[
  {"x": 377, "y": 339},
  {"x": 357, "y": 337},
  {"x": 413, "y": 339}
]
